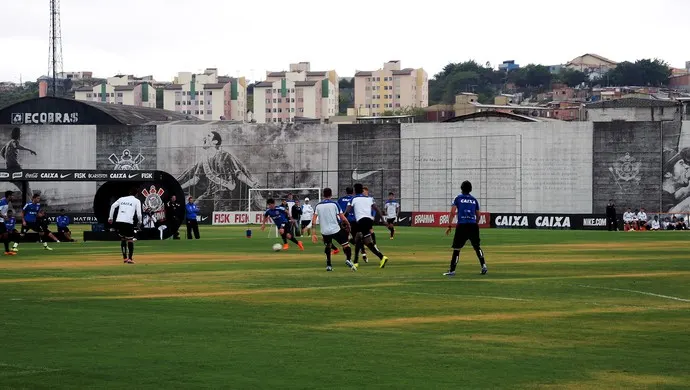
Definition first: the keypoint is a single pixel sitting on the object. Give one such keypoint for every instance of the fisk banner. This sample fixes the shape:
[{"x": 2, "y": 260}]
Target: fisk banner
[
  {"x": 440, "y": 219},
  {"x": 237, "y": 217}
]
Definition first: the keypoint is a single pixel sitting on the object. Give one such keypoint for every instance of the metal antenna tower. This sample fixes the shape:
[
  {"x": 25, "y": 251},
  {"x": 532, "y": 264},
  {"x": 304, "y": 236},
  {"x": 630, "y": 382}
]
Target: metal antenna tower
[{"x": 55, "y": 50}]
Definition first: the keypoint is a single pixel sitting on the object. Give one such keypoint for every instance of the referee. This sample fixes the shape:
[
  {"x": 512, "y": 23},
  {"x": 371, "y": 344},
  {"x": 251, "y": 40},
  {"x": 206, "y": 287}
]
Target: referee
[{"x": 467, "y": 209}]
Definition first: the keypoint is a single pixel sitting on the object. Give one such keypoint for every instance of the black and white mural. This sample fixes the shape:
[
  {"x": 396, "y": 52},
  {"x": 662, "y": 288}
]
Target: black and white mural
[
  {"x": 370, "y": 154},
  {"x": 218, "y": 163},
  {"x": 126, "y": 147}
]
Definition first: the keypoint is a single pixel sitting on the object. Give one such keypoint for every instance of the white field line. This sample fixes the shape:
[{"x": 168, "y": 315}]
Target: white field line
[{"x": 636, "y": 292}]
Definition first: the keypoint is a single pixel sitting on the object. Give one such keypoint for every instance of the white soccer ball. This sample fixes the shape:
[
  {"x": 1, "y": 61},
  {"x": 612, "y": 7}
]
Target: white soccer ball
[{"x": 277, "y": 247}]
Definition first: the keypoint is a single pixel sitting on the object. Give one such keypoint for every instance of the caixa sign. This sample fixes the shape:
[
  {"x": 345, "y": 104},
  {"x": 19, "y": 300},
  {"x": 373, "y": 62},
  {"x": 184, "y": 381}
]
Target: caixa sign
[
  {"x": 549, "y": 221},
  {"x": 44, "y": 118}
]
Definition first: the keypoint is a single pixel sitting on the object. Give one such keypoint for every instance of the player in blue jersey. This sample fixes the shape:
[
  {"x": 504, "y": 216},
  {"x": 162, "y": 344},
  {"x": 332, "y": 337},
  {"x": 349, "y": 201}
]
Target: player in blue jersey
[
  {"x": 343, "y": 201},
  {"x": 4, "y": 209},
  {"x": 13, "y": 234},
  {"x": 283, "y": 220},
  {"x": 62, "y": 223},
  {"x": 330, "y": 217},
  {"x": 30, "y": 219},
  {"x": 467, "y": 209}
]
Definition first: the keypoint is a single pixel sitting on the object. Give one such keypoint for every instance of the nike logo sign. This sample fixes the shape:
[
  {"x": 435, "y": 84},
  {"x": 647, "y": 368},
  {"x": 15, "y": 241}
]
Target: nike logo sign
[
  {"x": 360, "y": 176},
  {"x": 134, "y": 175},
  {"x": 402, "y": 219},
  {"x": 64, "y": 176}
]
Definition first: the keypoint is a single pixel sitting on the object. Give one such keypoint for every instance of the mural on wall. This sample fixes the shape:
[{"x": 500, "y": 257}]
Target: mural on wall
[
  {"x": 638, "y": 165},
  {"x": 54, "y": 147},
  {"x": 219, "y": 162},
  {"x": 370, "y": 154},
  {"x": 126, "y": 147}
]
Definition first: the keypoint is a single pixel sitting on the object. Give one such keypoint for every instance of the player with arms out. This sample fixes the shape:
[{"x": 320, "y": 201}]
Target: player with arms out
[
  {"x": 392, "y": 208},
  {"x": 283, "y": 220},
  {"x": 30, "y": 219},
  {"x": 362, "y": 206},
  {"x": 128, "y": 208},
  {"x": 330, "y": 216},
  {"x": 467, "y": 209},
  {"x": 4, "y": 210}
]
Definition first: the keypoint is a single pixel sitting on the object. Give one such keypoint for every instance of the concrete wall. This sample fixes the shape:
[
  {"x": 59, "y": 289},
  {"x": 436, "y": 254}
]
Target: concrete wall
[
  {"x": 633, "y": 114},
  {"x": 514, "y": 167}
]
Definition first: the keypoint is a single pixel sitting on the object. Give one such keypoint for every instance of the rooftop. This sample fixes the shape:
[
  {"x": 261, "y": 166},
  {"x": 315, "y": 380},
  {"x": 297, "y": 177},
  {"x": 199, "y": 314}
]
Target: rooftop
[
  {"x": 305, "y": 83},
  {"x": 633, "y": 102}
]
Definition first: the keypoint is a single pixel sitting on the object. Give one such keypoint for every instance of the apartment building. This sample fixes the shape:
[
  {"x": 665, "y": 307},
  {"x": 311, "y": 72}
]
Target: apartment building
[
  {"x": 121, "y": 89},
  {"x": 207, "y": 96},
  {"x": 297, "y": 93},
  {"x": 390, "y": 88}
]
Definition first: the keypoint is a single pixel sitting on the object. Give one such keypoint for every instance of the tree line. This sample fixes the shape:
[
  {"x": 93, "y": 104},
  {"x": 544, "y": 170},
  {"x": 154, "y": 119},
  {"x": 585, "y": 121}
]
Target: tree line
[{"x": 532, "y": 79}]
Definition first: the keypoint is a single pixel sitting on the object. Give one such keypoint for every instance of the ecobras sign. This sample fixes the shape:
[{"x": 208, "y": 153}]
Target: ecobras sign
[{"x": 44, "y": 118}]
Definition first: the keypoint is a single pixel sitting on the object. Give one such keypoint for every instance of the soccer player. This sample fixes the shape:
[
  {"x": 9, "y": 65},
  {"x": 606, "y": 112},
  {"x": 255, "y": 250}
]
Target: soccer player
[
  {"x": 365, "y": 191},
  {"x": 30, "y": 219},
  {"x": 62, "y": 222},
  {"x": 307, "y": 214},
  {"x": 362, "y": 206},
  {"x": 128, "y": 207},
  {"x": 392, "y": 208},
  {"x": 343, "y": 202},
  {"x": 330, "y": 216},
  {"x": 4, "y": 209},
  {"x": 42, "y": 229},
  {"x": 289, "y": 202},
  {"x": 296, "y": 212},
  {"x": 467, "y": 209},
  {"x": 282, "y": 219},
  {"x": 11, "y": 226}
]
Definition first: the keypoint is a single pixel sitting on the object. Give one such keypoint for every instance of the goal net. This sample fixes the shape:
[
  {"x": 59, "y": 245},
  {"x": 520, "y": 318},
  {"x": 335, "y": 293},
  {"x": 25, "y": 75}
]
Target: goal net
[{"x": 259, "y": 196}]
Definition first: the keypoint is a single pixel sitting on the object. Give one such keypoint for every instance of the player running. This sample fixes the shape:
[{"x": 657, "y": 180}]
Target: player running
[
  {"x": 62, "y": 222},
  {"x": 4, "y": 210},
  {"x": 13, "y": 234},
  {"x": 467, "y": 209},
  {"x": 362, "y": 206},
  {"x": 392, "y": 208},
  {"x": 30, "y": 219},
  {"x": 283, "y": 220},
  {"x": 128, "y": 207},
  {"x": 343, "y": 202},
  {"x": 330, "y": 216}
]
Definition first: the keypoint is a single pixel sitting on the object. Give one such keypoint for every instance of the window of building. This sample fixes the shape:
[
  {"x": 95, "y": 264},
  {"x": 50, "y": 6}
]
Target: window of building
[
  {"x": 280, "y": 110},
  {"x": 209, "y": 112},
  {"x": 292, "y": 90},
  {"x": 292, "y": 109},
  {"x": 275, "y": 120},
  {"x": 292, "y": 100},
  {"x": 201, "y": 102},
  {"x": 398, "y": 96},
  {"x": 378, "y": 79},
  {"x": 280, "y": 119},
  {"x": 88, "y": 95},
  {"x": 275, "y": 100},
  {"x": 268, "y": 110},
  {"x": 196, "y": 112},
  {"x": 301, "y": 109},
  {"x": 184, "y": 93},
  {"x": 280, "y": 100},
  {"x": 189, "y": 102},
  {"x": 177, "y": 103},
  {"x": 119, "y": 102},
  {"x": 210, "y": 93},
  {"x": 275, "y": 110},
  {"x": 184, "y": 103},
  {"x": 368, "y": 79},
  {"x": 397, "y": 104},
  {"x": 268, "y": 101},
  {"x": 196, "y": 93},
  {"x": 300, "y": 99}
]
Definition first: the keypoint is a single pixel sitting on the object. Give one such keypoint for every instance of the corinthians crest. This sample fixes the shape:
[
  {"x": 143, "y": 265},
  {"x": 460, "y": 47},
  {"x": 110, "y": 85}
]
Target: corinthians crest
[
  {"x": 627, "y": 168},
  {"x": 154, "y": 202},
  {"x": 126, "y": 162}
]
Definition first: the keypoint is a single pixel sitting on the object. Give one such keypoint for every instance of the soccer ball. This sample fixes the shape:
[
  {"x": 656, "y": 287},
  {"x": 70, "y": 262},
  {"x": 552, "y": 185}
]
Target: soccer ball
[{"x": 277, "y": 247}]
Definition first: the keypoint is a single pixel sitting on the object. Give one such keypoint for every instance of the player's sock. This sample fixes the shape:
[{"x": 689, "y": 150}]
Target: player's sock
[
  {"x": 293, "y": 239},
  {"x": 480, "y": 256},
  {"x": 7, "y": 245},
  {"x": 284, "y": 237},
  {"x": 328, "y": 255},
  {"x": 454, "y": 260},
  {"x": 123, "y": 248},
  {"x": 358, "y": 249},
  {"x": 375, "y": 250},
  {"x": 373, "y": 238},
  {"x": 392, "y": 231},
  {"x": 130, "y": 245},
  {"x": 348, "y": 252}
]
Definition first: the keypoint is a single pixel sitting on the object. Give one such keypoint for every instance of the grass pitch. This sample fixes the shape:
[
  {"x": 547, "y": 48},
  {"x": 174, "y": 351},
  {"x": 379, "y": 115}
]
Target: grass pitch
[{"x": 558, "y": 309}]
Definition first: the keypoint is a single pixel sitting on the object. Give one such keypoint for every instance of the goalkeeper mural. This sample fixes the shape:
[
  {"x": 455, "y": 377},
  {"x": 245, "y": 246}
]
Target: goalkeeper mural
[{"x": 218, "y": 179}]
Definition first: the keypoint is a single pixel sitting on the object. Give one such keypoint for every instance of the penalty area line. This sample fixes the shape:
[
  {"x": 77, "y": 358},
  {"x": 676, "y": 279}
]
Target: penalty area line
[{"x": 635, "y": 292}]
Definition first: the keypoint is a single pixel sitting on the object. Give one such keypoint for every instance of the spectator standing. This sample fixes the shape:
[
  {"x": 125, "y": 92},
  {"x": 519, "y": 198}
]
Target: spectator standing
[
  {"x": 296, "y": 212},
  {"x": 307, "y": 214},
  {"x": 172, "y": 215},
  {"x": 611, "y": 223},
  {"x": 192, "y": 211}
]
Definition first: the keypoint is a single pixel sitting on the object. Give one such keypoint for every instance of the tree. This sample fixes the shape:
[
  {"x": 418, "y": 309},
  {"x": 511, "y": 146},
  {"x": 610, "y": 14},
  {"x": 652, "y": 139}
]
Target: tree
[
  {"x": 28, "y": 91},
  {"x": 532, "y": 76},
  {"x": 468, "y": 76},
  {"x": 654, "y": 73},
  {"x": 346, "y": 84},
  {"x": 571, "y": 77}
]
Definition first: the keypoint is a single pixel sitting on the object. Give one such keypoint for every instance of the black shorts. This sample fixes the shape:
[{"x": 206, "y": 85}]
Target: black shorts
[
  {"x": 340, "y": 238},
  {"x": 464, "y": 232},
  {"x": 390, "y": 221},
  {"x": 305, "y": 224},
  {"x": 3, "y": 228},
  {"x": 365, "y": 225},
  {"x": 125, "y": 230},
  {"x": 354, "y": 228},
  {"x": 63, "y": 230},
  {"x": 36, "y": 227}
]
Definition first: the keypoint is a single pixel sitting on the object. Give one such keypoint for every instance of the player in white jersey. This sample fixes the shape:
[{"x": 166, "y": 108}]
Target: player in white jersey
[
  {"x": 307, "y": 214},
  {"x": 330, "y": 217},
  {"x": 129, "y": 208},
  {"x": 392, "y": 208},
  {"x": 363, "y": 207}
]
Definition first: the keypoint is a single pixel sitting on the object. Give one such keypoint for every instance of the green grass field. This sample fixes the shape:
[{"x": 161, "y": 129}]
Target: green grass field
[{"x": 558, "y": 309}]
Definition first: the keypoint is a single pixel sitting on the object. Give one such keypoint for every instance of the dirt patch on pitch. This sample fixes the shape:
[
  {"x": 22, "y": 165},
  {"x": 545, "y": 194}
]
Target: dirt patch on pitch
[
  {"x": 412, "y": 321},
  {"x": 177, "y": 293},
  {"x": 540, "y": 342},
  {"x": 618, "y": 380}
]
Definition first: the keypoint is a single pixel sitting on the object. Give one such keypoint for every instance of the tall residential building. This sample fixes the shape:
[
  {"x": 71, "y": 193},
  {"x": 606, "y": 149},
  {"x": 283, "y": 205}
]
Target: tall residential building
[
  {"x": 207, "y": 96},
  {"x": 390, "y": 89},
  {"x": 297, "y": 93},
  {"x": 121, "y": 89}
]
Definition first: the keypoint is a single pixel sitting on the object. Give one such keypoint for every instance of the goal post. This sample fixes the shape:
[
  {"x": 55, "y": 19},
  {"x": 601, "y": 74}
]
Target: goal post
[{"x": 258, "y": 196}]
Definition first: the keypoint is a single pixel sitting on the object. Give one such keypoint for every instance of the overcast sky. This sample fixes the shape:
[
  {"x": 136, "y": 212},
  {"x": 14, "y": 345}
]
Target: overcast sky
[{"x": 163, "y": 37}]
